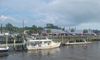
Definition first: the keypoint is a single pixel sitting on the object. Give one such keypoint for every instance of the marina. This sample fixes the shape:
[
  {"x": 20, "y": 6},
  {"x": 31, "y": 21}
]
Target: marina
[
  {"x": 46, "y": 43},
  {"x": 49, "y": 30},
  {"x": 74, "y": 52}
]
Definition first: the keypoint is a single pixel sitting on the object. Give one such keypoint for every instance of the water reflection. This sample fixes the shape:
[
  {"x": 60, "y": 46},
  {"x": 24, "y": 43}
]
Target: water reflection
[
  {"x": 73, "y": 52},
  {"x": 4, "y": 54},
  {"x": 44, "y": 52}
]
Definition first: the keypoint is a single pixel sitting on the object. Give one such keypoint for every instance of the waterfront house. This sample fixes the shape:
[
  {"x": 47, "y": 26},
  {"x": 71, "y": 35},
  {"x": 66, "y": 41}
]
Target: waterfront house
[
  {"x": 81, "y": 32},
  {"x": 54, "y": 32}
]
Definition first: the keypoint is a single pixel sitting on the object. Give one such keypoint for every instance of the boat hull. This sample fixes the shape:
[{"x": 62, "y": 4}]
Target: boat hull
[
  {"x": 45, "y": 47},
  {"x": 4, "y": 49}
]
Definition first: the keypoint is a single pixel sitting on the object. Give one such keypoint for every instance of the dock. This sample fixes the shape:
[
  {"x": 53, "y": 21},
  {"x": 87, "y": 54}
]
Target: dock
[
  {"x": 15, "y": 45},
  {"x": 68, "y": 38}
]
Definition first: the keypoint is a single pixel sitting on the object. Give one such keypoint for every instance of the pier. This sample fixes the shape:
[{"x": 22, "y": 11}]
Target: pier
[
  {"x": 11, "y": 44},
  {"x": 21, "y": 44},
  {"x": 68, "y": 38}
]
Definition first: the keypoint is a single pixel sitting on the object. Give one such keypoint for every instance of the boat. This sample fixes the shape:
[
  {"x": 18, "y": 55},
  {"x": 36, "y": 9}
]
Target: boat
[
  {"x": 4, "y": 47},
  {"x": 39, "y": 44},
  {"x": 77, "y": 42},
  {"x": 4, "y": 50}
]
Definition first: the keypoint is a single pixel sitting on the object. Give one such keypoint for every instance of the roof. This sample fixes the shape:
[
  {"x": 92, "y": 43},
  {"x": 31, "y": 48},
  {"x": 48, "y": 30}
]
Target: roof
[
  {"x": 47, "y": 40},
  {"x": 80, "y": 32},
  {"x": 56, "y": 31},
  {"x": 76, "y": 31}
]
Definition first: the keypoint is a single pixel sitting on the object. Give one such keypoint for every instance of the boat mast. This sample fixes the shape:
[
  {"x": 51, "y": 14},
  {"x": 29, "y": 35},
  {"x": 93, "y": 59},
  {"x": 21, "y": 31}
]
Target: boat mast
[
  {"x": 1, "y": 28},
  {"x": 23, "y": 28},
  {"x": 6, "y": 34},
  {"x": 23, "y": 36}
]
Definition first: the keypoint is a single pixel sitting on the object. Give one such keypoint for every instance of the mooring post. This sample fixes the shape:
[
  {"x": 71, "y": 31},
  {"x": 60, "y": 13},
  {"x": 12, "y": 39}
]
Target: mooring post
[
  {"x": 62, "y": 39},
  {"x": 6, "y": 40},
  {"x": 14, "y": 43}
]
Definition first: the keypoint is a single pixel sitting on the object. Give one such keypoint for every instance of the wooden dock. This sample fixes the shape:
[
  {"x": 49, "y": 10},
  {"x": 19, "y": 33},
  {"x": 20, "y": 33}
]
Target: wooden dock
[
  {"x": 68, "y": 38},
  {"x": 62, "y": 39},
  {"x": 11, "y": 44}
]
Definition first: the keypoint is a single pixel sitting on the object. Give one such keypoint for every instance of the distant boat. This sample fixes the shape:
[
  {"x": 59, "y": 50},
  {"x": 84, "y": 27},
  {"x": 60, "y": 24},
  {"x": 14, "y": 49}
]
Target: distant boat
[
  {"x": 4, "y": 47},
  {"x": 33, "y": 44},
  {"x": 4, "y": 51},
  {"x": 75, "y": 43}
]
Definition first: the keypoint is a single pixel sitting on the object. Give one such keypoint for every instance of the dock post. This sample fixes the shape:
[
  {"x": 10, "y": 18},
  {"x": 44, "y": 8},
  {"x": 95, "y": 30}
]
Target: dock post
[
  {"x": 62, "y": 39},
  {"x": 6, "y": 40},
  {"x": 14, "y": 44}
]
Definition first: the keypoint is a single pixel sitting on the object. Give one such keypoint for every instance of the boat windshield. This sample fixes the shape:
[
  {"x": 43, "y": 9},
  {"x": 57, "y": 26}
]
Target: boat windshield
[
  {"x": 39, "y": 43},
  {"x": 2, "y": 39}
]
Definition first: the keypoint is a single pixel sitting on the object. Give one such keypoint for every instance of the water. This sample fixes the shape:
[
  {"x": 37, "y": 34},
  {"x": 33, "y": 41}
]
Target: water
[{"x": 76, "y": 52}]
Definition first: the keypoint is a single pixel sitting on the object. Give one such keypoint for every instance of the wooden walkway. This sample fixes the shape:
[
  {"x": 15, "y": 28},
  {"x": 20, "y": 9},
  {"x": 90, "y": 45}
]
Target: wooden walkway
[
  {"x": 68, "y": 38},
  {"x": 13, "y": 44},
  {"x": 62, "y": 39}
]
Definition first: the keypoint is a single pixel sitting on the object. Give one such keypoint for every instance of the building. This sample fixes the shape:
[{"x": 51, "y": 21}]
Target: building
[{"x": 54, "y": 32}]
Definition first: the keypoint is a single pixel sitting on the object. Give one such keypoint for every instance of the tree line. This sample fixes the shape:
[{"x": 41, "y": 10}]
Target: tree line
[{"x": 35, "y": 29}]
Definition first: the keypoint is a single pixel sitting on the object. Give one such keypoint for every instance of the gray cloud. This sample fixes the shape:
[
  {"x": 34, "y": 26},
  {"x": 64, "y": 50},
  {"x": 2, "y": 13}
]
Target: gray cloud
[
  {"x": 74, "y": 11},
  {"x": 59, "y": 12}
]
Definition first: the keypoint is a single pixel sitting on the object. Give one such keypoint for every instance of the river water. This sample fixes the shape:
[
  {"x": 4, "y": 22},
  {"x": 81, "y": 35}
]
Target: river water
[{"x": 75, "y": 52}]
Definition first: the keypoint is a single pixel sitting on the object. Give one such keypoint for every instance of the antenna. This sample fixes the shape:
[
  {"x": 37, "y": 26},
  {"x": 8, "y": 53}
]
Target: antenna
[
  {"x": 23, "y": 29},
  {"x": 23, "y": 26},
  {"x": 1, "y": 28}
]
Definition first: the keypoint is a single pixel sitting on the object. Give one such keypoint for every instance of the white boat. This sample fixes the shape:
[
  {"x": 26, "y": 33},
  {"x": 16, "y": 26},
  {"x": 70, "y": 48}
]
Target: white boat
[
  {"x": 33, "y": 44},
  {"x": 75, "y": 43},
  {"x": 4, "y": 47}
]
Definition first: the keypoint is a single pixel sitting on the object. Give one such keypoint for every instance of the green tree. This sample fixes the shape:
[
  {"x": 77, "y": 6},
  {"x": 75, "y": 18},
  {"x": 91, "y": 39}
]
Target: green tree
[
  {"x": 48, "y": 31},
  {"x": 29, "y": 32},
  {"x": 34, "y": 28},
  {"x": 10, "y": 28},
  {"x": 39, "y": 30},
  {"x": 85, "y": 31},
  {"x": 52, "y": 26},
  {"x": 72, "y": 30}
]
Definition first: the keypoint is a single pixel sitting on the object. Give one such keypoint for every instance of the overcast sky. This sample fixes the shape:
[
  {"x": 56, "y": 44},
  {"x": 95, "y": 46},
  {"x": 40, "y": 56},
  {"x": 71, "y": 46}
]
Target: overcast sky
[{"x": 84, "y": 14}]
